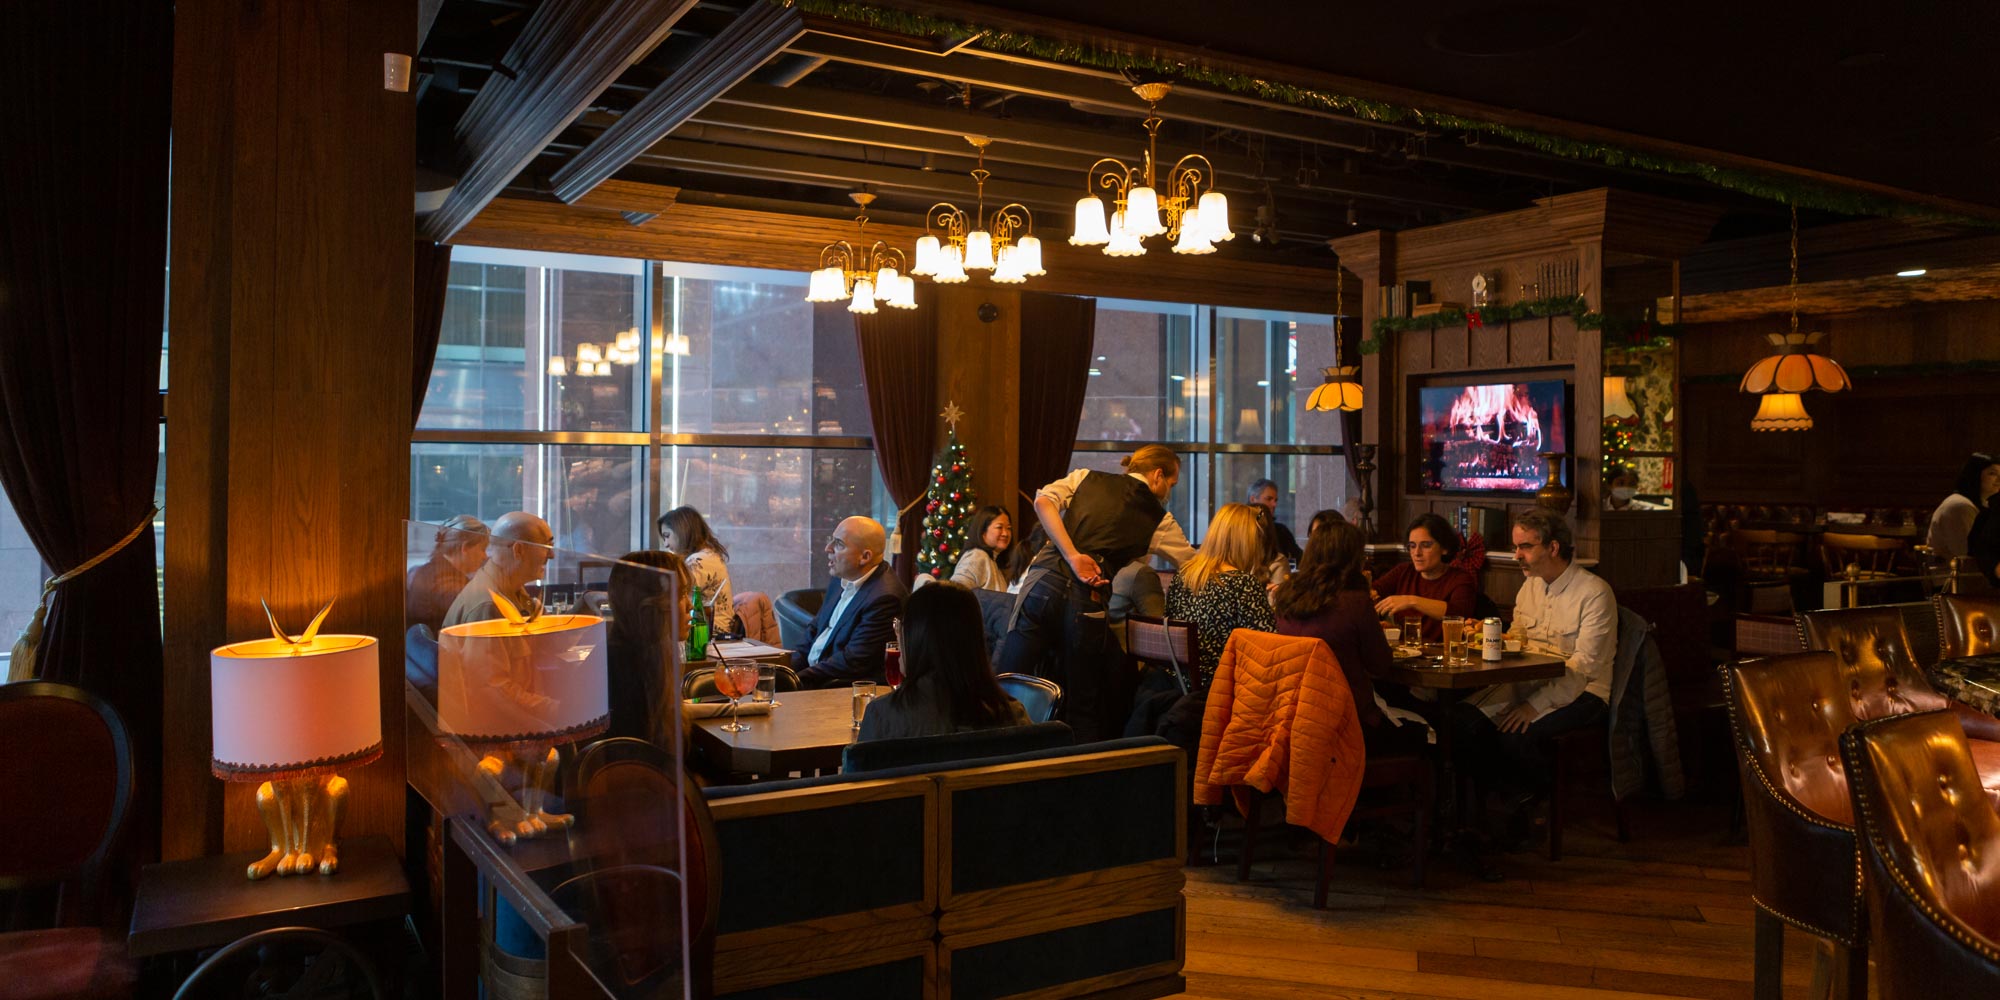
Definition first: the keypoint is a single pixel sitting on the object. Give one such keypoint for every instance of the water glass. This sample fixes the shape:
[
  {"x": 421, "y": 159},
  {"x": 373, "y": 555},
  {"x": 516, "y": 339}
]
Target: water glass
[
  {"x": 1393, "y": 635},
  {"x": 767, "y": 686},
  {"x": 864, "y": 692},
  {"x": 1413, "y": 631},
  {"x": 1455, "y": 652}
]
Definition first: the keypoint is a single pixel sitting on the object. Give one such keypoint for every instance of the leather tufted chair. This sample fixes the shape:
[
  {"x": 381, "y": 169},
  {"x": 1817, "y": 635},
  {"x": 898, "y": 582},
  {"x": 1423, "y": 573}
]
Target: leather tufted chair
[
  {"x": 1931, "y": 854},
  {"x": 1788, "y": 713},
  {"x": 1967, "y": 626}
]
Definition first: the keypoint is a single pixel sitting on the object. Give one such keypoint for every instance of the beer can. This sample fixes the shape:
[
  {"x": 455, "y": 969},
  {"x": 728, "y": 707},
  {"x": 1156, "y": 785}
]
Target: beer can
[{"x": 1491, "y": 644}]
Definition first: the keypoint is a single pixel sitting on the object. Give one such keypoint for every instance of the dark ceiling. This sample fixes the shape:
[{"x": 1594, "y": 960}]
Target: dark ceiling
[{"x": 840, "y": 109}]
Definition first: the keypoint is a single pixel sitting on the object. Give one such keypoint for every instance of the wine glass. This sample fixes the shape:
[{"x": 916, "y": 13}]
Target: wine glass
[{"x": 734, "y": 679}]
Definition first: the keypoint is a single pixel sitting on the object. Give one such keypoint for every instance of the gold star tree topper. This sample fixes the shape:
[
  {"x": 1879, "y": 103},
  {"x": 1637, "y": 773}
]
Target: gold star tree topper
[{"x": 951, "y": 415}]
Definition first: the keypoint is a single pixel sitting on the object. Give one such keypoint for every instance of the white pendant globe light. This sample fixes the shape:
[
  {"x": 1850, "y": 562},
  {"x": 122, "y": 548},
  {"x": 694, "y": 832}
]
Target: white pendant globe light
[{"x": 1090, "y": 229}]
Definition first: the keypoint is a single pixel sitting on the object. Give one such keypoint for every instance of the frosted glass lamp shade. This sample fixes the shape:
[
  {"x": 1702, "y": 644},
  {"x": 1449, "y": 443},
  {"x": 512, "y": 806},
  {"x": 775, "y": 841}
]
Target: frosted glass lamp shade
[
  {"x": 1123, "y": 242},
  {"x": 950, "y": 271},
  {"x": 543, "y": 682},
  {"x": 281, "y": 710},
  {"x": 978, "y": 250},
  {"x": 558, "y": 365},
  {"x": 927, "y": 254},
  {"x": 1214, "y": 207},
  {"x": 1193, "y": 238},
  {"x": 1029, "y": 251},
  {"x": 1142, "y": 213},
  {"x": 1617, "y": 405},
  {"x": 1007, "y": 268},
  {"x": 1089, "y": 230},
  {"x": 1781, "y": 411},
  {"x": 826, "y": 285},
  {"x": 904, "y": 295},
  {"x": 864, "y": 297}
]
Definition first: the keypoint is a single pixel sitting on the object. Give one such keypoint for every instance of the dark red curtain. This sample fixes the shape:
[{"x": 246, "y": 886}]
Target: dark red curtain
[
  {"x": 433, "y": 274},
  {"x": 899, "y": 367},
  {"x": 1056, "y": 337},
  {"x": 83, "y": 256}
]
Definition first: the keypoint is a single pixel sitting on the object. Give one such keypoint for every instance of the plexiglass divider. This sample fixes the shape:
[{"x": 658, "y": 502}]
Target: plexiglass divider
[{"x": 542, "y": 689}]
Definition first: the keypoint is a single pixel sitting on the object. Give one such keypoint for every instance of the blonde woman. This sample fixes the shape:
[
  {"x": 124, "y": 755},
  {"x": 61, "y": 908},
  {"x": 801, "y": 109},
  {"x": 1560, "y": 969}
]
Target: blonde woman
[{"x": 1219, "y": 589}]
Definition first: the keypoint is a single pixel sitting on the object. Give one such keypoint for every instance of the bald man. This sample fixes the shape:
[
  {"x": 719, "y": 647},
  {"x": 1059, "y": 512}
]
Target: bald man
[
  {"x": 515, "y": 555},
  {"x": 857, "y": 617}
]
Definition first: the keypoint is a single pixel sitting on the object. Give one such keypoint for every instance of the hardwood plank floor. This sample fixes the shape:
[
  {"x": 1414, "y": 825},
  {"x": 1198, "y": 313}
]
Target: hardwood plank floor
[{"x": 1666, "y": 915}]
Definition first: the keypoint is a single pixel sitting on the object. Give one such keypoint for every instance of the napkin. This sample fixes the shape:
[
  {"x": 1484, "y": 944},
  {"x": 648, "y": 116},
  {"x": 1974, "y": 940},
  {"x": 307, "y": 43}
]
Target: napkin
[{"x": 720, "y": 709}]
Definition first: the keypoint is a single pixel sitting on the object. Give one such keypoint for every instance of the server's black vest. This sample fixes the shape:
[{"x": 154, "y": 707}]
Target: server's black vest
[{"x": 1111, "y": 519}]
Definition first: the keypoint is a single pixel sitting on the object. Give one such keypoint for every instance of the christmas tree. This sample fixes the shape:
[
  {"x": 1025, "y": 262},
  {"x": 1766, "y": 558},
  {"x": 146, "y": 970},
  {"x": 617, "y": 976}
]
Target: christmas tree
[{"x": 947, "y": 510}]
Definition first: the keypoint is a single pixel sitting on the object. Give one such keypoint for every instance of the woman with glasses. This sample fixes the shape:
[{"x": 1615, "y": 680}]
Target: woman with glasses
[{"x": 1428, "y": 584}]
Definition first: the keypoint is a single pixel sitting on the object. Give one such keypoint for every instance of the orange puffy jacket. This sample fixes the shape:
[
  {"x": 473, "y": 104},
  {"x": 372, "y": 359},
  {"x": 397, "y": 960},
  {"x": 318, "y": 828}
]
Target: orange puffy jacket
[{"x": 1280, "y": 718}]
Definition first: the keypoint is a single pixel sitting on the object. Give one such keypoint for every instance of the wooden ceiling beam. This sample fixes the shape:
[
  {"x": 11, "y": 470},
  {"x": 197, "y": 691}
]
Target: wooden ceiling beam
[
  {"x": 1828, "y": 298},
  {"x": 848, "y": 174},
  {"x": 759, "y": 33},
  {"x": 567, "y": 54}
]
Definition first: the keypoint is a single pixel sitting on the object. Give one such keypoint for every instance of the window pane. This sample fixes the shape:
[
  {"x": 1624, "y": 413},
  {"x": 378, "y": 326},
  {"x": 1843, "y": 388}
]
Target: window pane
[
  {"x": 508, "y": 318},
  {"x": 21, "y": 574},
  {"x": 585, "y": 492},
  {"x": 775, "y": 507},
  {"x": 1266, "y": 366},
  {"x": 754, "y": 364},
  {"x": 1143, "y": 387},
  {"x": 1307, "y": 484}
]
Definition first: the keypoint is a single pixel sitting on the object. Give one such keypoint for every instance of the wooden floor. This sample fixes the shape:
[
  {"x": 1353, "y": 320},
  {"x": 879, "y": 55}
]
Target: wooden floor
[{"x": 1666, "y": 915}]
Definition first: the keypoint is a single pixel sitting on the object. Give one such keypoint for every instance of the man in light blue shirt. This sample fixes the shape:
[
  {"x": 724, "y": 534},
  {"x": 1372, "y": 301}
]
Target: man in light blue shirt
[{"x": 857, "y": 617}]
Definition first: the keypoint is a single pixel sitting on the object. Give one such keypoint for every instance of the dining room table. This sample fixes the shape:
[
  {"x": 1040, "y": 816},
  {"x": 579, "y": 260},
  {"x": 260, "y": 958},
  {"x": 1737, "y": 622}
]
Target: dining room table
[{"x": 805, "y": 732}]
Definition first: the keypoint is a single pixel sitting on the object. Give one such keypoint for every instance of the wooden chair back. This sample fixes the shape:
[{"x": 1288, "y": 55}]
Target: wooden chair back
[
  {"x": 1168, "y": 643},
  {"x": 1870, "y": 554},
  {"x": 1766, "y": 554},
  {"x": 70, "y": 766}
]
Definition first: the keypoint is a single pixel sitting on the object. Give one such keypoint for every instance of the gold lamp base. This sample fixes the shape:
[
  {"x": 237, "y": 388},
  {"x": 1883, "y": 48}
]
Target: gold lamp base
[
  {"x": 302, "y": 815},
  {"x": 539, "y": 769}
]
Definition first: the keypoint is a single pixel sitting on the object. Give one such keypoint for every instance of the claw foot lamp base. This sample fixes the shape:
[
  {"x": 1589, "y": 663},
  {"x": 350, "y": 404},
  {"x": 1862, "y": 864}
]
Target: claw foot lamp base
[
  {"x": 303, "y": 817},
  {"x": 539, "y": 767}
]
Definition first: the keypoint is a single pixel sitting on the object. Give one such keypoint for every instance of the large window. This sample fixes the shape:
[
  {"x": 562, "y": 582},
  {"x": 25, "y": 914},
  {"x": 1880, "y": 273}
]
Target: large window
[
  {"x": 600, "y": 392},
  {"x": 1226, "y": 388}
]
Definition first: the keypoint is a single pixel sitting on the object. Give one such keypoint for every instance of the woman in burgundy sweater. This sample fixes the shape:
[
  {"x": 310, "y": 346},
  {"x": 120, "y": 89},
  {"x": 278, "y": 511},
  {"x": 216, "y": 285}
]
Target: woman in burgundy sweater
[
  {"x": 1327, "y": 599},
  {"x": 1428, "y": 583}
]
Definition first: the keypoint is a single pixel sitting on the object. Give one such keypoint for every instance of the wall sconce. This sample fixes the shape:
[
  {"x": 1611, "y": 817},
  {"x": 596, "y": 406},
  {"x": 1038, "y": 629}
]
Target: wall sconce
[{"x": 289, "y": 712}]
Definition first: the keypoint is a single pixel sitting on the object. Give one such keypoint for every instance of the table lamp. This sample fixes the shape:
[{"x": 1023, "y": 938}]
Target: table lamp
[
  {"x": 290, "y": 712},
  {"x": 517, "y": 686}
]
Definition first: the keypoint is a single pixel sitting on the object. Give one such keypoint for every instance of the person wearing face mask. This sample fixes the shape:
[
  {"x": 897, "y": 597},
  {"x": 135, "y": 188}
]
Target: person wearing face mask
[{"x": 1623, "y": 493}]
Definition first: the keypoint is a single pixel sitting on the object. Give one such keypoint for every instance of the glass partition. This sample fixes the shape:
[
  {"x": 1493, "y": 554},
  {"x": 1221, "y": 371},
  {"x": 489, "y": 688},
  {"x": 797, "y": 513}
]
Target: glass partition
[
  {"x": 545, "y": 734},
  {"x": 1640, "y": 382}
]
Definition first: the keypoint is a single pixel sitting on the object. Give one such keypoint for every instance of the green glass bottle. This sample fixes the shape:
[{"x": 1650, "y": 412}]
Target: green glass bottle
[{"x": 697, "y": 644}]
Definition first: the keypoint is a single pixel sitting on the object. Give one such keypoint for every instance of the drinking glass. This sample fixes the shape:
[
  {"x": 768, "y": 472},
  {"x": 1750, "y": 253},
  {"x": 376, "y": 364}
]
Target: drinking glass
[
  {"x": 1393, "y": 634},
  {"x": 734, "y": 679},
  {"x": 892, "y": 664},
  {"x": 864, "y": 692},
  {"x": 1413, "y": 631},
  {"x": 767, "y": 686},
  {"x": 1455, "y": 652}
]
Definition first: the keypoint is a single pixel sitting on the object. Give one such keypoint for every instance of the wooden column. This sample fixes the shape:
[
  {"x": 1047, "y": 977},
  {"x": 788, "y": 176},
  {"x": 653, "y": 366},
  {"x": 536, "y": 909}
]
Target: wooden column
[
  {"x": 1371, "y": 258},
  {"x": 288, "y": 414},
  {"x": 979, "y": 368}
]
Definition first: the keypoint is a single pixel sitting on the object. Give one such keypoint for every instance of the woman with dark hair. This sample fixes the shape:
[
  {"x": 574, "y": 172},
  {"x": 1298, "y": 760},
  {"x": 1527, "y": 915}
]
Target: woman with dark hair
[
  {"x": 1428, "y": 584},
  {"x": 642, "y": 632},
  {"x": 989, "y": 543},
  {"x": 1327, "y": 599},
  {"x": 1950, "y": 534},
  {"x": 948, "y": 684},
  {"x": 1327, "y": 516},
  {"x": 685, "y": 533}
]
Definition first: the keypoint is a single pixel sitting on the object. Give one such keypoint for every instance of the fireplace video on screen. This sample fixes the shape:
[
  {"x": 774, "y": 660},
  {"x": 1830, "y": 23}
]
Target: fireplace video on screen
[{"x": 1489, "y": 437}]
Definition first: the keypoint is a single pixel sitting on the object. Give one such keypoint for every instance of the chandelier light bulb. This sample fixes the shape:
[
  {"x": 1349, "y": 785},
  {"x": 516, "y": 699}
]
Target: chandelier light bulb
[
  {"x": 826, "y": 285},
  {"x": 1007, "y": 268},
  {"x": 558, "y": 365},
  {"x": 978, "y": 250},
  {"x": 1029, "y": 252},
  {"x": 950, "y": 271},
  {"x": 1214, "y": 207},
  {"x": 886, "y": 281},
  {"x": 1090, "y": 230},
  {"x": 927, "y": 254},
  {"x": 589, "y": 354},
  {"x": 864, "y": 297},
  {"x": 903, "y": 295},
  {"x": 1142, "y": 213}
]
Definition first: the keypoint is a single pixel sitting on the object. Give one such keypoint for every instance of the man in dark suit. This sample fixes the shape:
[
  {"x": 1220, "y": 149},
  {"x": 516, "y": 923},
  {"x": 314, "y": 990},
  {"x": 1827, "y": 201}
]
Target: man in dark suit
[{"x": 858, "y": 616}]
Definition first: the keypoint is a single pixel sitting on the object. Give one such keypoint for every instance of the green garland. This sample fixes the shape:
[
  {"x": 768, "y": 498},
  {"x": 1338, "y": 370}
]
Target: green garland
[
  {"x": 1638, "y": 333},
  {"x": 1761, "y": 185}
]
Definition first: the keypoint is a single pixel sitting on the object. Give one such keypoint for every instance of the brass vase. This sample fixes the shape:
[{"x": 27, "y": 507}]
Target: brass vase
[{"x": 1554, "y": 495}]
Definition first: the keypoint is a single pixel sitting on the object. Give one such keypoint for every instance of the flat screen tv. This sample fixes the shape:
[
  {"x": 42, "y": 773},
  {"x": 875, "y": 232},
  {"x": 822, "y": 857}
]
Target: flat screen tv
[{"x": 1487, "y": 438}]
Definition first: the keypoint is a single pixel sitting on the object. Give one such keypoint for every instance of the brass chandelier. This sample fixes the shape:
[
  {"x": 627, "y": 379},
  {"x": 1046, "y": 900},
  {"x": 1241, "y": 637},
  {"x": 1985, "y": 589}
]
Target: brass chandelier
[
  {"x": 1003, "y": 243},
  {"x": 863, "y": 277},
  {"x": 1189, "y": 210}
]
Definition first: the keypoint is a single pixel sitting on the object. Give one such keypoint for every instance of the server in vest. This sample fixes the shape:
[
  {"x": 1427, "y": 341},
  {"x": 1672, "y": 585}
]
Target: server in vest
[{"x": 1096, "y": 522}]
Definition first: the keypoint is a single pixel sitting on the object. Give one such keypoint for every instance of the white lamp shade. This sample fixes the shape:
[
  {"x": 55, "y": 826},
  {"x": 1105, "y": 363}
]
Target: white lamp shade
[
  {"x": 1142, "y": 213},
  {"x": 927, "y": 253},
  {"x": 627, "y": 341},
  {"x": 601, "y": 368},
  {"x": 886, "y": 280},
  {"x": 1089, "y": 230},
  {"x": 558, "y": 365},
  {"x": 978, "y": 250},
  {"x": 949, "y": 271},
  {"x": 280, "y": 710},
  {"x": 589, "y": 354},
  {"x": 1193, "y": 238},
  {"x": 1123, "y": 242},
  {"x": 824, "y": 286},
  {"x": 1214, "y": 208},
  {"x": 906, "y": 293},
  {"x": 1029, "y": 252},
  {"x": 543, "y": 681},
  {"x": 1007, "y": 268},
  {"x": 864, "y": 297}
]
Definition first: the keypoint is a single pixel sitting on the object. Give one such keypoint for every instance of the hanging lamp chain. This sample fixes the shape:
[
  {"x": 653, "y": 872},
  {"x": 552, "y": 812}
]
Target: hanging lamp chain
[{"x": 1795, "y": 268}]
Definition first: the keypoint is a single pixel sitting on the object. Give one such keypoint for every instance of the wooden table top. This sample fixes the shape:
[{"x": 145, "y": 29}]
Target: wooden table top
[
  {"x": 1515, "y": 667},
  {"x": 207, "y": 902},
  {"x": 805, "y": 733}
]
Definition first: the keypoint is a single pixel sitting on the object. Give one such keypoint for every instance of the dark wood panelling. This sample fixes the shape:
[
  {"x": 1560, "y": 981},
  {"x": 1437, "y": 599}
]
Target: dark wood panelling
[
  {"x": 288, "y": 423},
  {"x": 1528, "y": 342},
  {"x": 979, "y": 368}
]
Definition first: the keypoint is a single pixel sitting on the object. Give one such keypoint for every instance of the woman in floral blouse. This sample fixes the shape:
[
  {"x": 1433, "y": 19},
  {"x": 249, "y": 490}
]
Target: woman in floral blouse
[{"x": 1218, "y": 590}]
